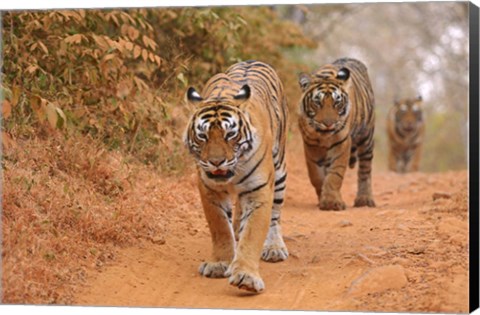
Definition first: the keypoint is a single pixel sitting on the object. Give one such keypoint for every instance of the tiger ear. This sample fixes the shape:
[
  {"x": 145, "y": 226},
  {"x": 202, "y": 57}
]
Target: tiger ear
[
  {"x": 193, "y": 96},
  {"x": 304, "y": 81},
  {"x": 243, "y": 93},
  {"x": 343, "y": 74}
]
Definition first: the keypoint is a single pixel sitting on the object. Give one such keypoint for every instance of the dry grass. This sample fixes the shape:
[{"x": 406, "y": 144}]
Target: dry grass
[
  {"x": 67, "y": 204},
  {"x": 69, "y": 201}
]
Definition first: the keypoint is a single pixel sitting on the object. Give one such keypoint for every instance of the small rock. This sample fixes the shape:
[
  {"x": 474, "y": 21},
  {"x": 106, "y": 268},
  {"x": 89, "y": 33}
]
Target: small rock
[
  {"x": 293, "y": 255},
  {"x": 315, "y": 259},
  {"x": 411, "y": 275},
  {"x": 158, "y": 240},
  {"x": 417, "y": 250},
  {"x": 345, "y": 223},
  {"x": 441, "y": 195}
]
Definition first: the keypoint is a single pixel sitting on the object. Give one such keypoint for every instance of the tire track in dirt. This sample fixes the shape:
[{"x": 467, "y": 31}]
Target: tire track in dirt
[{"x": 410, "y": 253}]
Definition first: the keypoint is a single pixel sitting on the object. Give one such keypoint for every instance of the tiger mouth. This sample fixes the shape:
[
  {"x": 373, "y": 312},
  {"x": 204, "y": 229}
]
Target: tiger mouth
[
  {"x": 318, "y": 129},
  {"x": 220, "y": 174},
  {"x": 408, "y": 129}
]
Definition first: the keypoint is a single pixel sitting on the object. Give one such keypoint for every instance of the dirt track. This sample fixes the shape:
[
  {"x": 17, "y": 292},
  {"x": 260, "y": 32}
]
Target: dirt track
[{"x": 408, "y": 254}]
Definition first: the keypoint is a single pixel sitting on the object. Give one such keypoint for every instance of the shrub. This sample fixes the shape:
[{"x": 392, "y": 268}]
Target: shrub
[{"x": 120, "y": 75}]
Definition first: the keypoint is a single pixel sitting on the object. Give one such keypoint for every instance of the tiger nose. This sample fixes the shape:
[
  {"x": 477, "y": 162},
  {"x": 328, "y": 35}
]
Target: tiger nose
[
  {"x": 217, "y": 161},
  {"x": 328, "y": 123}
]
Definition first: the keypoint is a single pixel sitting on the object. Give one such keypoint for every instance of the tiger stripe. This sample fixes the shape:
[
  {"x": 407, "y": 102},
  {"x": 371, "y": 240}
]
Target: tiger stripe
[
  {"x": 237, "y": 136},
  {"x": 337, "y": 123},
  {"x": 406, "y": 132}
]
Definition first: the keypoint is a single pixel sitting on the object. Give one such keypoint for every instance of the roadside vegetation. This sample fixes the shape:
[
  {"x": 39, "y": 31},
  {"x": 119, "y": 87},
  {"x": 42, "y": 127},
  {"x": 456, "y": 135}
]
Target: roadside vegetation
[{"x": 93, "y": 114}]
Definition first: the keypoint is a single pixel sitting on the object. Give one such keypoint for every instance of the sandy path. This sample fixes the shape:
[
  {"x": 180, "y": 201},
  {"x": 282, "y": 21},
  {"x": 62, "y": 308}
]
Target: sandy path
[{"x": 408, "y": 254}]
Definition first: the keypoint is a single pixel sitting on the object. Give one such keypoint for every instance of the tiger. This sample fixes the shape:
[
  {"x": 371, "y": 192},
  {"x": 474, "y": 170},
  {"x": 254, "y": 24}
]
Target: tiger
[
  {"x": 406, "y": 130},
  {"x": 337, "y": 122},
  {"x": 237, "y": 136}
]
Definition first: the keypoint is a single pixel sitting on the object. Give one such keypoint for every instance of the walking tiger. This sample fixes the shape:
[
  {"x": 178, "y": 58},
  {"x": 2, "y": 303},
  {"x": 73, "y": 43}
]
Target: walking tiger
[
  {"x": 406, "y": 129},
  {"x": 237, "y": 136},
  {"x": 337, "y": 122}
]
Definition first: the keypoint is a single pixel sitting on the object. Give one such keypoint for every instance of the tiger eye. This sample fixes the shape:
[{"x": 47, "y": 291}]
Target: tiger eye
[{"x": 229, "y": 135}]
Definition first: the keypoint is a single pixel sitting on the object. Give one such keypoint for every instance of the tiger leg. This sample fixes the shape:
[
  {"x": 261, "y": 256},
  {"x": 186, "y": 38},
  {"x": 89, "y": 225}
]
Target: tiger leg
[
  {"x": 392, "y": 160},
  {"x": 415, "y": 161},
  {"x": 316, "y": 174},
  {"x": 402, "y": 162},
  {"x": 236, "y": 220},
  {"x": 274, "y": 248},
  {"x": 365, "y": 156},
  {"x": 256, "y": 206},
  {"x": 353, "y": 157},
  {"x": 331, "y": 198},
  {"x": 218, "y": 212}
]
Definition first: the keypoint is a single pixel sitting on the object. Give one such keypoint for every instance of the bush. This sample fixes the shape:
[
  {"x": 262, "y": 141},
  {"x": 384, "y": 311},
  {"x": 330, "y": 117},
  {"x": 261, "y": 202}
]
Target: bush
[{"x": 120, "y": 75}]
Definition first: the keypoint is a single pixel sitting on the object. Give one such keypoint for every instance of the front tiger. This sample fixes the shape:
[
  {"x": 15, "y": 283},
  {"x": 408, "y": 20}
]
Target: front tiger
[
  {"x": 337, "y": 123},
  {"x": 406, "y": 129},
  {"x": 237, "y": 137}
]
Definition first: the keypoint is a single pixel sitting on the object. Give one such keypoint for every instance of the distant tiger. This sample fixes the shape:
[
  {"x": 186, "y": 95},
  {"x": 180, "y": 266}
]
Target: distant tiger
[
  {"x": 337, "y": 122},
  {"x": 406, "y": 129},
  {"x": 237, "y": 135}
]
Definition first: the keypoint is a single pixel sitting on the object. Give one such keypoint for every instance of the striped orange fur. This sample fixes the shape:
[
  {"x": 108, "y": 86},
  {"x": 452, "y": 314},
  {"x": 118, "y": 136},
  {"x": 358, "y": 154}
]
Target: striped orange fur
[
  {"x": 237, "y": 136},
  {"x": 337, "y": 123},
  {"x": 406, "y": 131}
]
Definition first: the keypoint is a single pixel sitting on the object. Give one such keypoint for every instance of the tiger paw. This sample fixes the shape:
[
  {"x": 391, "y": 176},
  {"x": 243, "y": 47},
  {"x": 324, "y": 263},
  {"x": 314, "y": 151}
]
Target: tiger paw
[
  {"x": 331, "y": 204},
  {"x": 213, "y": 269},
  {"x": 364, "y": 201},
  {"x": 274, "y": 253},
  {"x": 246, "y": 281},
  {"x": 274, "y": 249}
]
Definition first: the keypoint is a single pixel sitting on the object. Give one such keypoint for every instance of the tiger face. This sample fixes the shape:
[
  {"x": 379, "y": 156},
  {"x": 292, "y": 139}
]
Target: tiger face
[
  {"x": 337, "y": 122},
  {"x": 325, "y": 103},
  {"x": 218, "y": 134},
  {"x": 408, "y": 115}
]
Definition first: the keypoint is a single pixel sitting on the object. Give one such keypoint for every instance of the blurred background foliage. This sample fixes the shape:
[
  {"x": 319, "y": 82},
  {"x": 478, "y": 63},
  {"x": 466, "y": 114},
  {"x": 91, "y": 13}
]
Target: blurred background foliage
[
  {"x": 120, "y": 75},
  {"x": 410, "y": 49}
]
